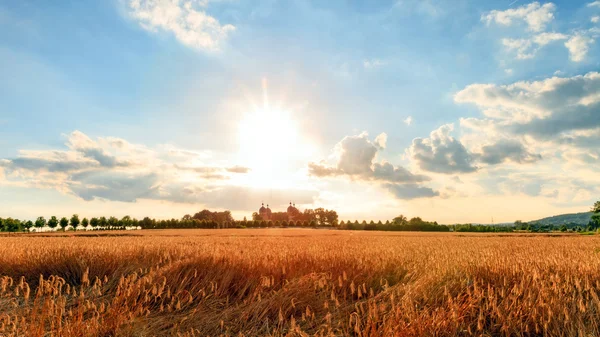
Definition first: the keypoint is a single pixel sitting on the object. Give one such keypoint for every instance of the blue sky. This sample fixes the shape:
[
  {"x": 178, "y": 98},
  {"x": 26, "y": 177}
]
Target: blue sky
[{"x": 462, "y": 90}]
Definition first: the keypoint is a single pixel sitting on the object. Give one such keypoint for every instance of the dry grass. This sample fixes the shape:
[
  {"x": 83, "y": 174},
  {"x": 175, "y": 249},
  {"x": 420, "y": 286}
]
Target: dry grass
[{"x": 298, "y": 283}]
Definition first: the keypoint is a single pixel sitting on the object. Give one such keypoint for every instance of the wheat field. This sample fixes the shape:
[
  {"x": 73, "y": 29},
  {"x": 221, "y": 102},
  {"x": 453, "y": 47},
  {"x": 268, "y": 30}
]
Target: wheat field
[{"x": 296, "y": 282}]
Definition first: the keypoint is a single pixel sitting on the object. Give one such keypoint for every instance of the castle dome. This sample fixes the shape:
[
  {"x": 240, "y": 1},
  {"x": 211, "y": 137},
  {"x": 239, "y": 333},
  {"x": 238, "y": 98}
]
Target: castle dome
[
  {"x": 290, "y": 208},
  {"x": 262, "y": 209}
]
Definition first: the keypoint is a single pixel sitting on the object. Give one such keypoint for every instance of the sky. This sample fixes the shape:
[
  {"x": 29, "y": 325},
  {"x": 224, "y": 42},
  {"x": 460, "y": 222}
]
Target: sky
[{"x": 455, "y": 111}]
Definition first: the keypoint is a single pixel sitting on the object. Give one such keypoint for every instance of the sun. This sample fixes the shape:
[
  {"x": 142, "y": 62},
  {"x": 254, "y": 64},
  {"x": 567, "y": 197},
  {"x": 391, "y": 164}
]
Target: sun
[
  {"x": 268, "y": 139},
  {"x": 271, "y": 144}
]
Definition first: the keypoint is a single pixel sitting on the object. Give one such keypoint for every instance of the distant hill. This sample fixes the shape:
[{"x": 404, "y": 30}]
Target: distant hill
[{"x": 580, "y": 219}]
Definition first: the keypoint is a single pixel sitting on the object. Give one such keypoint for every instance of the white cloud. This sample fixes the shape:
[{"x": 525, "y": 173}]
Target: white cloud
[
  {"x": 536, "y": 16},
  {"x": 190, "y": 25},
  {"x": 116, "y": 170},
  {"x": 594, "y": 4},
  {"x": 524, "y": 102},
  {"x": 373, "y": 63},
  {"x": 578, "y": 46},
  {"x": 508, "y": 71},
  {"x": 528, "y": 48},
  {"x": 553, "y": 113},
  {"x": 595, "y": 19},
  {"x": 356, "y": 156},
  {"x": 381, "y": 140},
  {"x": 543, "y": 39},
  {"x": 521, "y": 46},
  {"x": 442, "y": 153},
  {"x": 408, "y": 121}
]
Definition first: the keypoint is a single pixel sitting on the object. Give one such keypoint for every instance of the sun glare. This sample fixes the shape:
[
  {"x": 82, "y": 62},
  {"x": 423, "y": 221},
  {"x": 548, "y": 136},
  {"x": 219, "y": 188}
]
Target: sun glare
[
  {"x": 268, "y": 139},
  {"x": 271, "y": 144}
]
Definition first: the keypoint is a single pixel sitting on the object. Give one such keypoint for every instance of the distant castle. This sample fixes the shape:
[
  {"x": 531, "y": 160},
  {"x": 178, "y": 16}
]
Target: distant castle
[{"x": 267, "y": 215}]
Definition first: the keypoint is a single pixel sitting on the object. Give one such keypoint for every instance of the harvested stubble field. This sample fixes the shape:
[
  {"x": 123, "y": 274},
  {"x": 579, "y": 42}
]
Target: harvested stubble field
[{"x": 296, "y": 282}]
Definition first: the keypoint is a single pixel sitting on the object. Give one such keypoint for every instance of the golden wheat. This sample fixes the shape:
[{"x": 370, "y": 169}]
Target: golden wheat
[{"x": 298, "y": 282}]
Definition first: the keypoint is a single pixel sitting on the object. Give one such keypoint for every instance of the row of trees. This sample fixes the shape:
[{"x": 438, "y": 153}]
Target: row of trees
[
  {"x": 400, "y": 223},
  {"x": 15, "y": 225},
  {"x": 308, "y": 219}
]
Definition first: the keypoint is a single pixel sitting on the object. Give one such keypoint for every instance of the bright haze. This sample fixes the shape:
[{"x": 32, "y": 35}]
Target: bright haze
[{"x": 455, "y": 111}]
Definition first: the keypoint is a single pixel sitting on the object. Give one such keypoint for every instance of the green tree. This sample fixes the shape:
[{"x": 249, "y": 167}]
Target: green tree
[
  {"x": 53, "y": 222},
  {"x": 94, "y": 222},
  {"x": 40, "y": 222},
  {"x": 75, "y": 221},
  {"x": 595, "y": 221},
  {"x": 112, "y": 222},
  {"x": 126, "y": 222},
  {"x": 27, "y": 225},
  {"x": 85, "y": 223},
  {"x": 12, "y": 225},
  {"x": 103, "y": 222},
  {"x": 400, "y": 220},
  {"x": 596, "y": 207},
  {"x": 63, "y": 223}
]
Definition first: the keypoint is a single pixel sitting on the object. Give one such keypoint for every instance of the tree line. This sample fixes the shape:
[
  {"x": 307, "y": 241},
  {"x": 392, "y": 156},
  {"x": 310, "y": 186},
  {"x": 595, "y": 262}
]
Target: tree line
[
  {"x": 399, "y": 223},
  {"x": 74, "y": 223},
  {"x": 318, "y": 218}
]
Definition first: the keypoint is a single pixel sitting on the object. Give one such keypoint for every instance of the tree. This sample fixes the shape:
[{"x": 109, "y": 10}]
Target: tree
[
  {"x": 63, "y": 223},
  {"x": 400, "y": 220},
  {"x": 148, "y": 223},
  {"x": 75, "y": 221},
  {"x": 596, "y": 207},
  {"x": 94, "y": 223},
  {"x": 416, "y": 221},
  {"x": 40, "y": 222},
  {"x": 102, "y": 222},
  {"x": 85, "y": 223},
  {"x": 126, "y": 221},
  {"x": 53, "y": 222},
  {"x": 595, "y": 221},
  {"x": 324, "y": 217},
  {"x": 27, "y": 225},
  {"x": 112, "y": 222},
  {"x": 11, "y": 225}
]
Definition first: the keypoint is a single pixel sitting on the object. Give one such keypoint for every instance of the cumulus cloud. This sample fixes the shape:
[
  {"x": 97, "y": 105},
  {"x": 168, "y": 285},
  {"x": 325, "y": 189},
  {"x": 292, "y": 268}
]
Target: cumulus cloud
[
  {"x": 442, "y": 153},
  {"x": 558, "y": 117},
  {"x": 578, "y": 46},
  {"x": 594, "y": 4},
  {"x": 381, "y": 140},
  {"x": 595, "y": 19},
  {"x": 541, "y": 108},
  {"x": 113, "y": 169},
  {"x": 536, "y": 16},
  {"x": 356, "y": 159},
  {"x": 528, "y": 48},
  {"x": 186, "y": 20},
  {"x": 408, "y": 121},
  {"x": 507, "y": 150}
]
